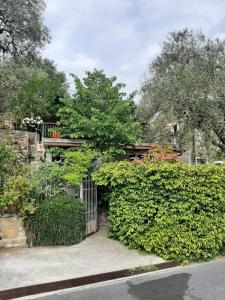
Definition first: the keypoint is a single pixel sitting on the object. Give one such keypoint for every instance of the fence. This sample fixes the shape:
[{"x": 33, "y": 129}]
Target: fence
[
  {"x": 7, "y": 121},
  {"x": 53, "y": 130},
  {"x": 47, "y": 130}
]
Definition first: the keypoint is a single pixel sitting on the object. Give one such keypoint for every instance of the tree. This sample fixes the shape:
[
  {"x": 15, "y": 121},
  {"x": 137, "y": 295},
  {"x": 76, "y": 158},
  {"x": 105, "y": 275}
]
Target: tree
[
  {"x": 31, "y": 89},
  {"x": 101, "y": 112},
  {"x": 186, "y": 85},
  {"x": 22, "y": 32}
]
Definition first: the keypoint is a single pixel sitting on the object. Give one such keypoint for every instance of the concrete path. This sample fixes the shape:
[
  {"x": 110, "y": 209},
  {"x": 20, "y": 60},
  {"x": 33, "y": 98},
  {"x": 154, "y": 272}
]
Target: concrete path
[{"x": 96, "y": 254}]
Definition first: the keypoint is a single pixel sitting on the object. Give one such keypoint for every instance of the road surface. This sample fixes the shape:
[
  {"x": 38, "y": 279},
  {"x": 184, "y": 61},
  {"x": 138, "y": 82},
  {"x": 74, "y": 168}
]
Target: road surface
[{"x": 204, "y": 281}]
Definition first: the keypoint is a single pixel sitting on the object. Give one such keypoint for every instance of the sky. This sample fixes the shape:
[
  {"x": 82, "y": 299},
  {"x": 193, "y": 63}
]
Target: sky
[{"x": 122, "y": 36}]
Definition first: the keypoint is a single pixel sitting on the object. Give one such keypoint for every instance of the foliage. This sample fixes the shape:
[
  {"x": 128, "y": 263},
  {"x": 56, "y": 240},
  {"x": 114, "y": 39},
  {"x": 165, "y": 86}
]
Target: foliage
[
  {"x": 78, "y": 164},
  {"x": 16, "y": 197},
  {"x": 75, "y": 165},
  {"x": 56, "y": 152},
  {"x": 7, "y": 156},
  {"x": 186, "y": 85},
  {"x": 22, "y": 191},
  {"x": 51, "y": 178},
  {"x": 174, "y": 210},
  {"x": 159, "y": 154},
  {"x": 59, "y": 221},
  {"x": 33, "y": 89},
  {"x": 99, "y": 111},
  {"x": 22, "y": 32}
]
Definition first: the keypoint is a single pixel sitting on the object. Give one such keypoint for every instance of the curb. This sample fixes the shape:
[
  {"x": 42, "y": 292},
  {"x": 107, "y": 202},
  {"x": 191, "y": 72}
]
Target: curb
[{"x": 77, "y": 282}]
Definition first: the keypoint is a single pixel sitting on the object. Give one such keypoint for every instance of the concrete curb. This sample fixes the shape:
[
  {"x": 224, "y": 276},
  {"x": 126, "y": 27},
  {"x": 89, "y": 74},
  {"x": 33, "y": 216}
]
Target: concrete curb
[{"x": 77, "y": 282}]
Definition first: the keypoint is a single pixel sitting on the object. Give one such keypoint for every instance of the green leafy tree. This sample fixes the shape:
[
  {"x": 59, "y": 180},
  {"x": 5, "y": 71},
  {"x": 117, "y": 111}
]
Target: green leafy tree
[
  {"x": 31, "y": 89},
  {"x": 186, "y": 85},
  {"x": 22, "y": 32},
  {"x": 99, "y": 111}
]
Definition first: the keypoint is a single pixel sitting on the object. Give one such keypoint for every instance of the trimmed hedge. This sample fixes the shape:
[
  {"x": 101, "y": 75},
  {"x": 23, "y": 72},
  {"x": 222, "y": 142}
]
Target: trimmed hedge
[
  {"x": 59, "y": 221},
  {"x": 174, "y": 210}
]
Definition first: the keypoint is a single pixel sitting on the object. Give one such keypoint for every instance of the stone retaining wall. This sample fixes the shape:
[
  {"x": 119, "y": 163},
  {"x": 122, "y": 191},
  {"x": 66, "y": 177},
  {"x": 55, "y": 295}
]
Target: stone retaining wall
[
  {"x": 12, "y": 232},
  {"x": 20, "y": 141}
]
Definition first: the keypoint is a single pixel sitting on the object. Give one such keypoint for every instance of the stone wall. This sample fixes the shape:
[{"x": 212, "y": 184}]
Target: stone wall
[
  {"x": 22, "y": 142},
  {"x": 12, "y": 232}
]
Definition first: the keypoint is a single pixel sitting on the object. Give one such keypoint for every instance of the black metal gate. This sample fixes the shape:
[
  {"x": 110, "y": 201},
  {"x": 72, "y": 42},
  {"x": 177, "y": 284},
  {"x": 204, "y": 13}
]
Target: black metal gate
[{"x": 88, "y": 193}]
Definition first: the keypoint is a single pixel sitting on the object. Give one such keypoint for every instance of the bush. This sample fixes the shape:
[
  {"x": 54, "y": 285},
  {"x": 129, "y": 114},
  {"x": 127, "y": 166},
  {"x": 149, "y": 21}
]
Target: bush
[
  {"x": 174, "y": 210},
  {"x": 16, "y": 197},
  {"x": 59, "y": 221},
  {"x": 21, "y": 192}
]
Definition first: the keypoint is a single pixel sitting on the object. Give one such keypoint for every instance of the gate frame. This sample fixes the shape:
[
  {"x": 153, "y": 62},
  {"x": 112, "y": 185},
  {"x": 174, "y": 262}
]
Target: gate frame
[{"x": 88, "y": 194}]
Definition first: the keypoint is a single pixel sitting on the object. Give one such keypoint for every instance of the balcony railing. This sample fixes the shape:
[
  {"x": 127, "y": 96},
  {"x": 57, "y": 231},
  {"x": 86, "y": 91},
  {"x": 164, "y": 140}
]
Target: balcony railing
[
  {"x": 52, "y": 130},
  {"x": 46, "y": 130}
]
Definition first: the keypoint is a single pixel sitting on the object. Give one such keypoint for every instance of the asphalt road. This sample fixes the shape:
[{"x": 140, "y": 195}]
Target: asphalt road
[{"x": 199, "y": 282}]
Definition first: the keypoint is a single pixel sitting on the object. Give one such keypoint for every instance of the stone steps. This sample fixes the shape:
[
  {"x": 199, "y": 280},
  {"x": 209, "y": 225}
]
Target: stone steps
[
  {"x": 103, "y": 219},
  {"x": 13, "y": 243}
]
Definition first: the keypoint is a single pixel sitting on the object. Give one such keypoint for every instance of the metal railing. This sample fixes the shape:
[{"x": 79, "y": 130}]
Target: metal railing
[
  {"x": 46, "y": 130},
  {"x": 53, "y": 130},
  {"x": 8, "y": 121}
]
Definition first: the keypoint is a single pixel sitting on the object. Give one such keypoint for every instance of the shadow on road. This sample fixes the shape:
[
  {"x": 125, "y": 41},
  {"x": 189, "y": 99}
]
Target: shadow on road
[{"x": 170, "y": 288}]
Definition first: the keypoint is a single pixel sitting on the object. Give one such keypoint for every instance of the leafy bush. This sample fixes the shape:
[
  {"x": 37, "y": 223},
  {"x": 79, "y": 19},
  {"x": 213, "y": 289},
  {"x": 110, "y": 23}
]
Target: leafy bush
[
  {"x": 7, "y": 155},
  {"x": 59, "y": 221},
  {"x": 78, "y": 164},
  {"x": 21, "y": 191},
  {"x": 174, "y": 210},
  {"x": 51, "y": 178},
  {"x": 159, "y": 154},
  {"x": 16, "y": 195}
]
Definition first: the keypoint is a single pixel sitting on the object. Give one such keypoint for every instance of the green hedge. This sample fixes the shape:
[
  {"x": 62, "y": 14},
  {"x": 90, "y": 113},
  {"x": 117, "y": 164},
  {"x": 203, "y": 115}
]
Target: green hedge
[
  {"x": 174, "y": 210},
  {"x": 59, "y": 221}
]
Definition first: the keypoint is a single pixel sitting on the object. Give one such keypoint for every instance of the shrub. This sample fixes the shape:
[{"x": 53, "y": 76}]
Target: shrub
[
  {"x": 21, "y": 192},
  {"x": 159, "y": 154},
  {"x": 16, "y": 197},
  {"x": 59, "y": 221},
  {"x": 174, "y": 210}
]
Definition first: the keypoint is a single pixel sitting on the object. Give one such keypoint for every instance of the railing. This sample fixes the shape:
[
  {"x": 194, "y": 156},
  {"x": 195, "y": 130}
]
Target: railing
[
  {"x": 52, "y": 130},
  {"x": 7, "y": 121},
  {"x": 47, "y": 130}
]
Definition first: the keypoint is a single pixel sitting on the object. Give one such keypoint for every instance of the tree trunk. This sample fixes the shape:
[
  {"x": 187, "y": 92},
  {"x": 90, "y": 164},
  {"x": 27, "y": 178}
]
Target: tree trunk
[{"x": 193, "y": 149}]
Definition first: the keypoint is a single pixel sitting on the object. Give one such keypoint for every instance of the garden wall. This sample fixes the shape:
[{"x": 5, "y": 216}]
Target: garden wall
[
  {"x": 12, "y": 233},
  {"x": 24, "y": 142}
]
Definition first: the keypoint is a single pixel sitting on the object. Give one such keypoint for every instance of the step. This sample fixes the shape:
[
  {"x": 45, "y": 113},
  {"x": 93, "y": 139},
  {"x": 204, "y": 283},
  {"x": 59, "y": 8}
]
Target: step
[{"x": 13, "y": 243}]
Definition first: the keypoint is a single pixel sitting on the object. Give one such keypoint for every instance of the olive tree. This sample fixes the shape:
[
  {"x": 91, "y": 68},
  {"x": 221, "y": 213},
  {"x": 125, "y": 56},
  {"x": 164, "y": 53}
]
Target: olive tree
[{"x": 186, "y": 83}]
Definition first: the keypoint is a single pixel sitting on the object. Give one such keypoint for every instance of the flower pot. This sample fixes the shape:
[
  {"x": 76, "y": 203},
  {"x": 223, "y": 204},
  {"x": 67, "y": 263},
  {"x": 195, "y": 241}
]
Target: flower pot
[{"x": 55, "y": 134}]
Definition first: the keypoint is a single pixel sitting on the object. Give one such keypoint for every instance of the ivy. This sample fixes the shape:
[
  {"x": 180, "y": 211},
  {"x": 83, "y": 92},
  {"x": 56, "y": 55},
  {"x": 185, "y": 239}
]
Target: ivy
[{"x": 174, "y": 210}]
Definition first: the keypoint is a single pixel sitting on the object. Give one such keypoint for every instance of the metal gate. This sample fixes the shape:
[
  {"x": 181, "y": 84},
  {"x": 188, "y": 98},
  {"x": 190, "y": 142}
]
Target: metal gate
[{"x": 88, "y": 193}]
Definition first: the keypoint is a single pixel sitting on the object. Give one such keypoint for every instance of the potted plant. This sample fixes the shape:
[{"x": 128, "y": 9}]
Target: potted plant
[
  {"x": 55, "y": 134},
  {"x": 33, "y": 125}
]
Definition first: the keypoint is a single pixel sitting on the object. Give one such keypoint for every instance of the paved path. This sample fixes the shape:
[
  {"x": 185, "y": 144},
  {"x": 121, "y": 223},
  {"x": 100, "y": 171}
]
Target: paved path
[
  {"x": 198, "y": 282},
  {"x": 96, "y": 254}
]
